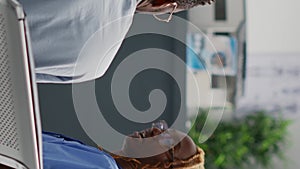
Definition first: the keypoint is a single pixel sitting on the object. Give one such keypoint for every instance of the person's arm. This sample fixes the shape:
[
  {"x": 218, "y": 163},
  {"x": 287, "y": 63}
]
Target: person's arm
[{"x": 76, "y": 41}]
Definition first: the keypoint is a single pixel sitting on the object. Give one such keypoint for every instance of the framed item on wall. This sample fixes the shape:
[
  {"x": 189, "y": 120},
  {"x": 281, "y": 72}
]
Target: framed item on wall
[{"x": 216, "y": 53}]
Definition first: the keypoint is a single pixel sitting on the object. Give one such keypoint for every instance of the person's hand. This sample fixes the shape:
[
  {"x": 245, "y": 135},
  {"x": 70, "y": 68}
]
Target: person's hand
[{"x": 157, "y": 7}]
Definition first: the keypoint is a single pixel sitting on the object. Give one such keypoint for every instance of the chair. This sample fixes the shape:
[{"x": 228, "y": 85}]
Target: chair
[{"x": 20, "y": 127}]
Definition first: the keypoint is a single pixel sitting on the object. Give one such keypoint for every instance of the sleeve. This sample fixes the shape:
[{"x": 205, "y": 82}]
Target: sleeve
[
  {"x": 61, "y": 152},
  {"x": 76, "y": 40}
]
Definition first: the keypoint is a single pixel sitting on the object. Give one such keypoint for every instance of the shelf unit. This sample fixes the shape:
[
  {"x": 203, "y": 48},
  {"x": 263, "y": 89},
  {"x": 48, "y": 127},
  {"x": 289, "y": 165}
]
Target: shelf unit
[{"x": 224, "y": 17}]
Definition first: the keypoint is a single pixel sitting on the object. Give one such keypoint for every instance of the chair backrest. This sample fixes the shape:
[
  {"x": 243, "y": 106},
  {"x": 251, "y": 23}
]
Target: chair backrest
[{"x": 20, "y": 127}]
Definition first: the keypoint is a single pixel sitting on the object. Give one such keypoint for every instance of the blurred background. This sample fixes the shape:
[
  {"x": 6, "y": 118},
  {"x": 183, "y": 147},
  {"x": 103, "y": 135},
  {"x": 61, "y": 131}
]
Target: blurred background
[
  {"x": 244, "y": 57},
  {"x": 266, "y": 79}
]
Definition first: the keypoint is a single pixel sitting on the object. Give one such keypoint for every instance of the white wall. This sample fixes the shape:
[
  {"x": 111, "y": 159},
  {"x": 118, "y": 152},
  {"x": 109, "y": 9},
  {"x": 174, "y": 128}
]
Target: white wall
[
  {"x": 203, "y": 16},
  {"x": 273, "y": 33},
  {"x": 273, "y": 26}
]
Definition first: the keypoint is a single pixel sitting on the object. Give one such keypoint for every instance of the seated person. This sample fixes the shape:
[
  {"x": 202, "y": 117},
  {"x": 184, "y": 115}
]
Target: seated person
[
  {"x": 60, "y": 31},
  {"x": 62, "y": 152},
  {"x": 75, "y": 41}
]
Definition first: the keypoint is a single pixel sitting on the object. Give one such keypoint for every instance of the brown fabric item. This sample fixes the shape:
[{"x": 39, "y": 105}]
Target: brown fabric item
[{"x": 194, "y": 162}]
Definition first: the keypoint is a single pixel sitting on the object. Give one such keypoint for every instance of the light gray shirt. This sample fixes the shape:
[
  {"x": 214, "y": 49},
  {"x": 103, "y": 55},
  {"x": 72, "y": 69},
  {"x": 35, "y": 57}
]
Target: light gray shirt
[{"x": 76, "y": 40}]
